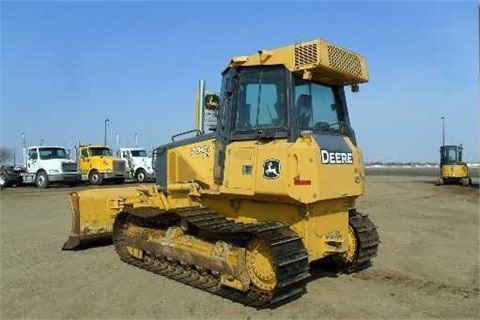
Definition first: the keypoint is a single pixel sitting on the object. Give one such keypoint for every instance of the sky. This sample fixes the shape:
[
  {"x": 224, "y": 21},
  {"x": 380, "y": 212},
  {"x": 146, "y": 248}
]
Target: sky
[{"x": 68, "y": 66}]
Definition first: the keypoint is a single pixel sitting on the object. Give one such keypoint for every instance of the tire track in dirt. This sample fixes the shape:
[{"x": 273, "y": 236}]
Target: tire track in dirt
[{"x": 426, "y": 287}]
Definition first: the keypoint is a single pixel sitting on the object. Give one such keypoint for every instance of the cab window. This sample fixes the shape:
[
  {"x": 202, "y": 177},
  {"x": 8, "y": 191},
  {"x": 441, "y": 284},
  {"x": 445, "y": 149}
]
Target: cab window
[
  {"x": 316, "y": 107},
  {"x": 32, "y": 154},
  {"x": 261, "y": 100}
]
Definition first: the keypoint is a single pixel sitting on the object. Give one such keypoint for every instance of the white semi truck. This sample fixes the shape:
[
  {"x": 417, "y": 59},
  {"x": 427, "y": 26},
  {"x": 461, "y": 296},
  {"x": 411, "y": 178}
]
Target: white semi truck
[
  {"x": 42, "y": 166},
  {"x": 139, "y": 164}
]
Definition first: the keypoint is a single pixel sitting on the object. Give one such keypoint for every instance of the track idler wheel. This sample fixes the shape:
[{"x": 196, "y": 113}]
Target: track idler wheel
[
  {"x": 361, "y": 246},
  {"x": 351, "y": 254},
  {"x": 260, "y": 265}
]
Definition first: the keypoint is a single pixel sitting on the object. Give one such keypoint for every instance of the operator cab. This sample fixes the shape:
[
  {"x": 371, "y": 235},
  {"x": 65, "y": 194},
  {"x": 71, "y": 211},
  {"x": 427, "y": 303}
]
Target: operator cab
[
  {"x": 270, "y": 102},
  {"x": 451, "y": 154}
]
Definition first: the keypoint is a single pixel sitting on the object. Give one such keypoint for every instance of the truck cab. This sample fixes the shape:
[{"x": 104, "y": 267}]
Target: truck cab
[
  {"x": 139, "y": 164},
  {"x": 49, "y": 164},
  {"x": 97, "y": 164}
]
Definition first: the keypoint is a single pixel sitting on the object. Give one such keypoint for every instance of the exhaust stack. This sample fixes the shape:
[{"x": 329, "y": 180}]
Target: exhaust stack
[{"x": 200, "y": 107}]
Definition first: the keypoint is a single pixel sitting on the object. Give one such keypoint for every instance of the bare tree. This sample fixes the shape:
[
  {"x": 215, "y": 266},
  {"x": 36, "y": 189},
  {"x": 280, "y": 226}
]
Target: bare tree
[{"x": 6, "y": 155}]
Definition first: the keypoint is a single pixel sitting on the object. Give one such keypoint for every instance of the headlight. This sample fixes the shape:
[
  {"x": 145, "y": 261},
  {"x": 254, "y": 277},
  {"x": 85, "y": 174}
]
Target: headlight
[{"x": 53, "y": 171}]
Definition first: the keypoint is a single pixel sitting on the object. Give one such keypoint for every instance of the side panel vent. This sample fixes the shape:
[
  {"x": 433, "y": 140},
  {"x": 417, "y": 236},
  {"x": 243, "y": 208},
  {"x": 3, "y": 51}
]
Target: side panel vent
[
  {"x": 344, "y": 61},
  {"x": 306, "y": 55}
]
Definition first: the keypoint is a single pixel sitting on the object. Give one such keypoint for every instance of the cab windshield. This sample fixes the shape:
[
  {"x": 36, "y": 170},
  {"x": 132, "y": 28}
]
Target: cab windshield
[
  {"x": 53, "y": 153},
  {"x": 99, "y": 151},
  {"x": 317, "y": 107},
  {"x": 139, "y": 153}
]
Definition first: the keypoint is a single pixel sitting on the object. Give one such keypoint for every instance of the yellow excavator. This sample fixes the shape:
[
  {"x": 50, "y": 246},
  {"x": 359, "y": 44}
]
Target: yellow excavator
[
  {"x": 452, "y": 167},
  {"x": 243, "y": 210}
]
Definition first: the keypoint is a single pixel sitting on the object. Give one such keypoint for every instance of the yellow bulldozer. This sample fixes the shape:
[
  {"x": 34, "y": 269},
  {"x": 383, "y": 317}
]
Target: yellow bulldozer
[{"x": 243, "y": 210}]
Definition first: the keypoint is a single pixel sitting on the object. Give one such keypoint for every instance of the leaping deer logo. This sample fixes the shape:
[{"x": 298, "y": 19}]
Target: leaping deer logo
[{"x": 271, "y": 169}]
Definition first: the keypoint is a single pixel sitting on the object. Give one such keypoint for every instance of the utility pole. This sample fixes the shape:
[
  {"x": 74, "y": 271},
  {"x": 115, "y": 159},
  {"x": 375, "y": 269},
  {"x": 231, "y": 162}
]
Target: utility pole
[
  {"x": 105, "y": 135},
  {"x": 118, "y": 144},
  {"x": 24, "y": 150},
  {"x": 443, "y": 131},
  {"x": 136, "y": 140}
]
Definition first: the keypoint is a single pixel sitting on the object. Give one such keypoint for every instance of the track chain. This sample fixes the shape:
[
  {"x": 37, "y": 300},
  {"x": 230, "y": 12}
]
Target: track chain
[{"x": 289, "y": 254}]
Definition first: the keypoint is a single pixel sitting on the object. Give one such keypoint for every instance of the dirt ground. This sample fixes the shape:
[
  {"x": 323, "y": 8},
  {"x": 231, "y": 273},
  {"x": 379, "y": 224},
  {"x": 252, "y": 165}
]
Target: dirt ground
[{"x": 427, "y": 265}]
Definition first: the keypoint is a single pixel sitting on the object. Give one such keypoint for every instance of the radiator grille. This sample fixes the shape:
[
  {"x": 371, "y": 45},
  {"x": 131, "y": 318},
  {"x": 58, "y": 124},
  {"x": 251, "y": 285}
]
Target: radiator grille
[
  {"x": 69, "y": 167},
  {"x": 306, "y": 54},
  {"x": 344, "y": 61},
  {"x": 118, "y": 165}
]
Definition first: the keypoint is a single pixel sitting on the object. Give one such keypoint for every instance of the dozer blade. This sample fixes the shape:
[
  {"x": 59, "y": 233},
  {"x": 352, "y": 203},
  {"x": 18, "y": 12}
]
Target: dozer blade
[{"x": 94, "y": 211}]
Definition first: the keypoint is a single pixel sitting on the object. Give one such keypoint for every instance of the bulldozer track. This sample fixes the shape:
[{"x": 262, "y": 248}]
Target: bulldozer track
[
  {"x": 288, "y": 252},
  {"x": 368, "y": 240}
]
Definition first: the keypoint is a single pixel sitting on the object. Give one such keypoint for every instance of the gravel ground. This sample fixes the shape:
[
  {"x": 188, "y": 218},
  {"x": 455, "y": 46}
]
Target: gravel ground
[{"x": 427, "y": 266}]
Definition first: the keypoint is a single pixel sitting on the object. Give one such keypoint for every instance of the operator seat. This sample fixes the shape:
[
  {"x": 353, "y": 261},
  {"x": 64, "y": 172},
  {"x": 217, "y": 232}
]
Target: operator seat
[{"x": 304, "y": 110}]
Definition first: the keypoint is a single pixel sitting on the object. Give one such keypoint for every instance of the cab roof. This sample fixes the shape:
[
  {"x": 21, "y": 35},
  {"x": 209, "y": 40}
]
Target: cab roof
[{"x": 318, "y": 60}]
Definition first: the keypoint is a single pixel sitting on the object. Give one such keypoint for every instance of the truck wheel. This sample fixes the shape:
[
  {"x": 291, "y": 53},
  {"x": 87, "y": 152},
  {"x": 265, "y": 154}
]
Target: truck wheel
[
  {"x": 41, "y": 180},
  {"x": 465, "y": 182},
  {"x": 95, "y": 178},
  {"x": 141, "y": 175}
]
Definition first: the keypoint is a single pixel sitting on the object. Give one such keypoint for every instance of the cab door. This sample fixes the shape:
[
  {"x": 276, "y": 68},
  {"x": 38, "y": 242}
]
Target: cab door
[
  {"x": 125, "y": 155},
  {"x": 32, "y": 160},
  {"x": 85, "y": 164}
]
